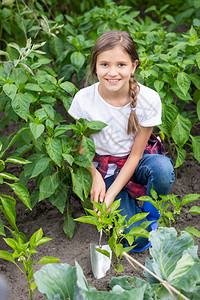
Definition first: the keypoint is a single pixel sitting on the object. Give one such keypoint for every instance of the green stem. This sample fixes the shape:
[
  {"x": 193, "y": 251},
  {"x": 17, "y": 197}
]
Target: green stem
[{"x": 20, "y": 268}]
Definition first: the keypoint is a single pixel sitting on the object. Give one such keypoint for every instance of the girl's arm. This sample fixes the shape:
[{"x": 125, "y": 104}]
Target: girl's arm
[
  {"x": 98, "y": 189},
  {"x": 130, "y": 165}
]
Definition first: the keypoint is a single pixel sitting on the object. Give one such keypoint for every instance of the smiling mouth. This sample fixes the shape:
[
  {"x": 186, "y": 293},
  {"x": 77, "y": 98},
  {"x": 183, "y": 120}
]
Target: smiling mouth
[{"x": 113, "y": 80}]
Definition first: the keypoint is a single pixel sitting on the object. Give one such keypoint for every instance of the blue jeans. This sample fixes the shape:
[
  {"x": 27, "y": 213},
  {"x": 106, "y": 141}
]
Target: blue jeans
[{"x": 154, "y": 171}]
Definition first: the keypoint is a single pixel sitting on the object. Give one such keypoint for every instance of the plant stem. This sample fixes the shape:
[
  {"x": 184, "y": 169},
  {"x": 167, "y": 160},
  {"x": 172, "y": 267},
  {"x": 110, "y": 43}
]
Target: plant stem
[{"x": 165, "y": 283}]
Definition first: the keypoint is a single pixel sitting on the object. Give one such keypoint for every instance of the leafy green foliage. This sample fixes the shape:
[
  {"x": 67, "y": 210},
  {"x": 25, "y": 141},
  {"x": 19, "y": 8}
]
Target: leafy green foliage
[
  {"x": 55, "y": 163},
  {"x": 23, "y": 250},
  {"x": 171, "y": 207},
  {"x": 174, "y": 259},
  {"x": 22, "y": 255},
  {"x": 34, "y": 80},
  {"x": 114, "y": 224}
]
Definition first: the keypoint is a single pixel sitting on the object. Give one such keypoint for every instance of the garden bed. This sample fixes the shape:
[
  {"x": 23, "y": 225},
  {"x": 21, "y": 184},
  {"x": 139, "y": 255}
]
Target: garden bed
[{"x": 47, "y": 217}]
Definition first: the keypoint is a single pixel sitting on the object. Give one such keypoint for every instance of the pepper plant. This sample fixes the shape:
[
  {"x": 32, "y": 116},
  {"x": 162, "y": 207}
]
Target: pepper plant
[
  {"x": 30, "y": 91},
  {"x": 113, "y": 225},
  {"x": 23, "y": 250},
  {"x": 171, "y": 208}
]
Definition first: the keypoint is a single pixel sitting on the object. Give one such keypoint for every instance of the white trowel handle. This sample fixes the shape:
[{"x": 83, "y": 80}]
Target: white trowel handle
[{"x": 100, "y": 238}]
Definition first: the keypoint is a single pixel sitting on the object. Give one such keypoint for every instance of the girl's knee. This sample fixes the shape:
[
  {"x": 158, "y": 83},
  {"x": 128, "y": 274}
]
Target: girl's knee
[{"x": 162, "y": 171}]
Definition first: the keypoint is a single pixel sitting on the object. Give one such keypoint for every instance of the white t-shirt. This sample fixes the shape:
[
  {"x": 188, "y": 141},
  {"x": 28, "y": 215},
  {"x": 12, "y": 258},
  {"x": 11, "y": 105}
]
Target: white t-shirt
[{"x": 113, "y": 139}]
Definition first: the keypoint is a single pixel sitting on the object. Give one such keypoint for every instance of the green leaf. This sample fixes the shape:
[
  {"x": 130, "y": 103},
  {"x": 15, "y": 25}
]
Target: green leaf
[
  {"x": 196, "y": 147},
  {"x": 36, "y": 129},
  {"x": 137, "y": 231},
  {"x": 85, "y": 178},
  {"x": 77, "y": 185},
  {"x": 181, "y": 130},
  {"x": 21, "y": 191},
  {"x": 60, "y": 197},
  {"x": 8, "y": 176},
  {"x": 17, "y": 160},
  {"x": 154, "y": 194},
  {"x": 137, "y": 218},
  {"x": 36, "y": 237},
  {"x": 104, "y": 252},
  {"x": 193, "y": 231},
  {"x": 88, "y": 220},
  {"x": 82, "y": 161},
  {"x": 16, "y": 136},
  {"x": 57, "y": 280},
  {"x": 33, "y": 87},
  {"x": 69, "y": 158},
  {"x": 2, "y": 231},
  {"x": 94, "y": 127},
  {"x": 182, "y": 267},
  {"x": 114, "y": 206},
  {"x": 69, "y": 225},
  {"x": 10, "y": 90},
  {"x": 61, "y": 129},
  {"x": 20, "y": 105},
  {"x": 7, "y": 256},
  {"x": 198, "y": 109},
  {"x": 169, "y": 113},
  {"x": 189, "y": 283},
  {"x": 195, "y": 79},
  {"x": 167, "y": 249},
  {"x": 180, "y": 157},
  {"x": 48, "y": 260},
  {"x": 170, "y": 18},
  {"x": 197, "y": 57},
  {"x": 49, "y": 110},
  {"x": 2, "y": 165},
  {"x": 183, "y": 81},
  {"x": 190, "y": 198},
  {"x": 194, "y": 210},
  {"x": 40, "y": 166},
  {"x": 8, "y": 209},
  {"x": 88, "y": 147},
  {"x": 176, "y": 89},
  {"x": 69, "y": 87},
  {"x": 158, "y": 85},
  {"x": 54, "y": 149},
  {"x": 77, "y": 60},
  {"x": 48, "y": 186}
]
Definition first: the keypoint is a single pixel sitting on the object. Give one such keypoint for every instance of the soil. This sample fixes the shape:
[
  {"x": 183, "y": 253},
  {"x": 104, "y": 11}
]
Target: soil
[{"x": 47, "y": 217}]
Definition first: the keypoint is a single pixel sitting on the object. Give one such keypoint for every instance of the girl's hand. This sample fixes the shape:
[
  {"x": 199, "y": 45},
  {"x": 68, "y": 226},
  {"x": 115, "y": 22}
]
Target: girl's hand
[
  {"x": 98, "y": 190},
  {"x": 109, "y": 200}
]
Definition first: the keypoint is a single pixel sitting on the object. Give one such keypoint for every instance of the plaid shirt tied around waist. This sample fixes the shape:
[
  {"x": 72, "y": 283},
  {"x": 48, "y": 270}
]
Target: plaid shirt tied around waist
[{"x": 135, "y": 190}]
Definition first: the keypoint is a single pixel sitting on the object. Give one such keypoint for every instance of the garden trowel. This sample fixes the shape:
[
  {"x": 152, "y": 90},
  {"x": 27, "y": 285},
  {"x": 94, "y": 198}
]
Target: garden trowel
[{"x": 100, "y": 262}]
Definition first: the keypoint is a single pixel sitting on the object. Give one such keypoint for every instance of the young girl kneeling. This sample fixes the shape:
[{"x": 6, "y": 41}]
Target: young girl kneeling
[{"x": 129, "y": 160}]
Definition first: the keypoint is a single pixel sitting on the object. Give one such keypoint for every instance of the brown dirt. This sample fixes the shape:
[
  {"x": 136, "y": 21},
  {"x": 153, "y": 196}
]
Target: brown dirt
[{"x": 47, "y": 217}]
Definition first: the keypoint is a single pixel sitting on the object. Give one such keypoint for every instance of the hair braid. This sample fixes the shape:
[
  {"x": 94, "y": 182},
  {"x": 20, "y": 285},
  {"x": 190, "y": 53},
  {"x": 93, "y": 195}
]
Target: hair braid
[{"x": 133, "y": 123}]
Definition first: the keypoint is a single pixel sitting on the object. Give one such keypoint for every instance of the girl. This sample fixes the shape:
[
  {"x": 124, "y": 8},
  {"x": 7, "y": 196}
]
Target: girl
[{"x": 124, "y": 166}]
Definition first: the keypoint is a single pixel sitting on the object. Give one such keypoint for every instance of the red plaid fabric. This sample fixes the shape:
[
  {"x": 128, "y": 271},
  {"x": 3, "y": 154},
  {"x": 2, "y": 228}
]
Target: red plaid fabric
[{"x": 135, "y": 190}]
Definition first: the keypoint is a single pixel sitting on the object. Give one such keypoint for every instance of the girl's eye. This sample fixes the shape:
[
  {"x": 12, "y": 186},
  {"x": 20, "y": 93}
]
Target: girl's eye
[
  {"x": 104, "y": 65},
  {"x": 121, "y": 65}
]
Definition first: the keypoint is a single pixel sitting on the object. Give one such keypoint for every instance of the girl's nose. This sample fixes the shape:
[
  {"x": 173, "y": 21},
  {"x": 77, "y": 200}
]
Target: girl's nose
[{"x": 112, "y": 71}]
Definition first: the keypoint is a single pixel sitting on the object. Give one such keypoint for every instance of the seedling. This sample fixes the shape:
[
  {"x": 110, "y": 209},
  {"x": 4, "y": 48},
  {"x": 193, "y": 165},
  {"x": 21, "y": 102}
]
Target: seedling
[
  {"x": 114, "y": 224},
  {"x": 170, "y": 208}
]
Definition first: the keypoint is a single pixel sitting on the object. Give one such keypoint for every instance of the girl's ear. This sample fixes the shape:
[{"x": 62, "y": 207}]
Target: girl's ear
[{"x": 134, "y": 66}]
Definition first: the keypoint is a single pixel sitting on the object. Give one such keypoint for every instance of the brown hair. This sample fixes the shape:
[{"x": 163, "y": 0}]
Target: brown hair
[{"x": 107, "y": 41}]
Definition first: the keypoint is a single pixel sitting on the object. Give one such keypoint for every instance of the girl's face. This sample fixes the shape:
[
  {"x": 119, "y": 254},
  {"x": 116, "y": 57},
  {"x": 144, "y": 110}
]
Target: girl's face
[{"x": 114, "y": 68}]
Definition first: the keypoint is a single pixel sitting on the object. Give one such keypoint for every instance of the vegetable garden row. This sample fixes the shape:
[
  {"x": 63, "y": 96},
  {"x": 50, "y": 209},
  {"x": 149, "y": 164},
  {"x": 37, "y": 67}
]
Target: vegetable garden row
[{"x": 44, "y": 58}]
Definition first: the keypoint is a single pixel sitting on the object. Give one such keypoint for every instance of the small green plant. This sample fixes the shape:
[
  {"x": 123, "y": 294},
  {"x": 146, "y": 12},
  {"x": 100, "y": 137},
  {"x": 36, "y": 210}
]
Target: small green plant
[
  {"x": 170, "y": 208},
  {"x": 23, "y": 250},
  {"x": 22, "y": 255},
  {"x": 114, "y": 224}
]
